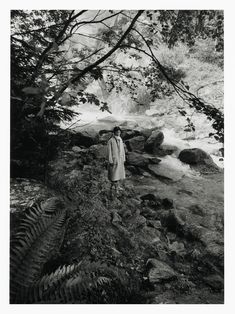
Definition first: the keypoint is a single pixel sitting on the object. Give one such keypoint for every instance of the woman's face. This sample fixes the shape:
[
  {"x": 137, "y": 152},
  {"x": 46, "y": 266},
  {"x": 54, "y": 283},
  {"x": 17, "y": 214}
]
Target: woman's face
[{"x": 118, "y": 133}]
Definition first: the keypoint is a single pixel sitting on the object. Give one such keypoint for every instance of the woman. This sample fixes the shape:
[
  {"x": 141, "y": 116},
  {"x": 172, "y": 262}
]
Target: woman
[{"x": 116, "y": 158}]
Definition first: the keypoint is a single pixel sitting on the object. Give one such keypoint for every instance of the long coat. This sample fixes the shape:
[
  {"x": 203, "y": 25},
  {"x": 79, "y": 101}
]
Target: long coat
[{"x": 116, "y": 158}]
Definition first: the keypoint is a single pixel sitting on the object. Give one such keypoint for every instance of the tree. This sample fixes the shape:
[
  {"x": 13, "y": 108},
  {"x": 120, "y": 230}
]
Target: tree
[{"x": 54, "y": 57}]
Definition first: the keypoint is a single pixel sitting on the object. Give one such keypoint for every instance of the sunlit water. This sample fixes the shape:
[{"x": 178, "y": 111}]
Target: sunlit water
[{"x": 91, "y": 116}]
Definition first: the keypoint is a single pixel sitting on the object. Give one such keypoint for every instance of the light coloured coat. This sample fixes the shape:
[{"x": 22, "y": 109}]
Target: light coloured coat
[{"x": 116, "y": 158}]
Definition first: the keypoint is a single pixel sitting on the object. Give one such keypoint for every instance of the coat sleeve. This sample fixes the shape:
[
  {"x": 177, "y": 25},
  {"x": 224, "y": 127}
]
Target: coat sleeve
[
  {"x": 124, "y": 151},
  {"x": 110, "y": 153}
]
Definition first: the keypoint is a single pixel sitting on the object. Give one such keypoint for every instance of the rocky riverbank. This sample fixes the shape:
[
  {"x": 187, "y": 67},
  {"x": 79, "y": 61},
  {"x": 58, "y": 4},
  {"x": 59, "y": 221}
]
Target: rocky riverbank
[{"x": 165, "y": 229}]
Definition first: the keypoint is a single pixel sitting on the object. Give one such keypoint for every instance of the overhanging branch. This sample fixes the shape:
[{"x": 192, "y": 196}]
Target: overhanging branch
[{"x": 99, "y": 61}]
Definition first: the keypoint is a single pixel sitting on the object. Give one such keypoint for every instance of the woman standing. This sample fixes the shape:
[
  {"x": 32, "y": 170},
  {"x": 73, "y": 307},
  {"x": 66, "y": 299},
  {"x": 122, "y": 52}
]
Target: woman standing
[{"x": 116, "y": 159}]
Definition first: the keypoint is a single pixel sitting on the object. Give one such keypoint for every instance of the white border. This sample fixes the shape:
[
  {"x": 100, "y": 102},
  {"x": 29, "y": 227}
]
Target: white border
[{"x": 229, "y": 152}]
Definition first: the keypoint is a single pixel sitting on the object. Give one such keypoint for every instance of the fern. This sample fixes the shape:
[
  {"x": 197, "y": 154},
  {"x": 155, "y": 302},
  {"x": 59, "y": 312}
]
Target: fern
[
  {"x": 33, "y": 245},
  {"x": 40, "y": 233},
  {"x": 81, "y": 283}
]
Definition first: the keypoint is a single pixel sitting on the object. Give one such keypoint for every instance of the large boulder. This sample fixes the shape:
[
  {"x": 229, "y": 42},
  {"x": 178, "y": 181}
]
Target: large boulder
[
  {"x": 84, "y": 139},
  {"x": 154, "y": 141},
  {"x": 128, "y": 134},
  {"x": 198, "y": 159},
  {"x": 136, "y": 144},
  {"x": 193, "y": 156},
  {"x": 165, "y": 172},
  {"x": 137, "y": 160}
]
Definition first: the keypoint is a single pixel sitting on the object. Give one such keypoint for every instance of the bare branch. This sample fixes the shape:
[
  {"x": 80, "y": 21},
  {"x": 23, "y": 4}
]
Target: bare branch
[{"x": 95, "y": 22}]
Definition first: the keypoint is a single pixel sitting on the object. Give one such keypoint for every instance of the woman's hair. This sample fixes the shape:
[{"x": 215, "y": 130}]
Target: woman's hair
[{"x": 116, "y": 128}]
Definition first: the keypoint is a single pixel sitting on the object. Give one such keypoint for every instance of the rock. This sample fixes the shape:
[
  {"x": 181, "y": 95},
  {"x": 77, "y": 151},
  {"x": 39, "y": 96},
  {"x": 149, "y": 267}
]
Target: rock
[
  {"x": 116, "y": 218},
  {"x": 196, "y": 210},
  {"x": 167, "y": 203},
  {"x": 214, "y": 281},
  {"x": 165, "y": 172},
  {"x": 155, "y": 224},
  {"x": 137, "y": 160},
  {"x": 136, "y": 144},
  {"x": 172, "y": 220},
  {"x": 133, "y": 170},
  {"x": 222, "y": 151},
  {"x": 196, "y": 157},
  {"x": 155, "y": 240},
  {"x": 77, "y": 149},
  {"x": 178, "y": 248},
  {"x": 126, "y": 213},
  {"x": 129, "y": 134},
  {"x": 104, "y": 137},
  {"x": 140, "y": 221},
  {"x": 149, "y": 197},
  {"x": 145, "y": 132},
  {"x": 154, "y": 160},
  {"x": 83, "y": 139},
  {"x": 160, "y": 271},
  {"x": 165, "y": 149},
  {"x": 148, "y": 213},
  {"x": 193, "y": 156},
  {"x": 137, "y": 221},
  {"x": 154, "y": 141},
  {"x": 146, "y": 174},
  {"x": 99, "y": 151}
]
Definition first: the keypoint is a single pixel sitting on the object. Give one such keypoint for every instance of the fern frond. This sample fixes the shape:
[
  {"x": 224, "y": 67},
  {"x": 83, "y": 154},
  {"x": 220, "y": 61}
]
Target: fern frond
[
  {"x": 33, "y": 246},
  {"x": 80, "y": 283}
]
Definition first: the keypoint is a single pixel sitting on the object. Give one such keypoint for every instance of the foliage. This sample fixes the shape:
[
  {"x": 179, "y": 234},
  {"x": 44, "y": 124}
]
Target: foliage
[
  {"x": 204, "y": 50},
  {"x": 51, "y": 64},
  {"x": 187, "y": 25},
  {"x": 36, "y": 242},
  {"x": 81, "y": 283}
]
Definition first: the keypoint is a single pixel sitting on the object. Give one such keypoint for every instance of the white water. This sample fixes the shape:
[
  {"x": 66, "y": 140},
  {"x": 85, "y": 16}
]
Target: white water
[{"x": 91, "y": 117}]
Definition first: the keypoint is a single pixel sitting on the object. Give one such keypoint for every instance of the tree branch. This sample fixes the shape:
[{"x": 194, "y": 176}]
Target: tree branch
[
  {"x": 108, "y": 54},
  {"x": 95, "y": 64},
  {"x": 95, "y": 22},
  {"x": 58, "y": 37}
]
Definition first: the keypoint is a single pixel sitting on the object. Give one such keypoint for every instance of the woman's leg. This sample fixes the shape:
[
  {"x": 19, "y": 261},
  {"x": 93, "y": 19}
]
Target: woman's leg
[{"x": 113, "y": 186}]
